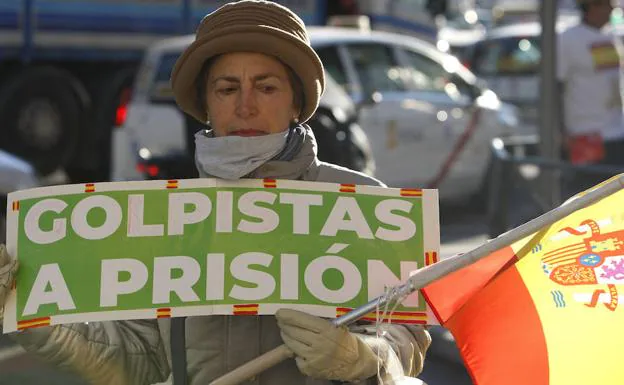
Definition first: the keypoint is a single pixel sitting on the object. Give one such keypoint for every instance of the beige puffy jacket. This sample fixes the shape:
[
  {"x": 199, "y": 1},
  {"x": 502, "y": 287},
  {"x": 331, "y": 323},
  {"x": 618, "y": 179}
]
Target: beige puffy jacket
[{"x": 138, "y": 352}]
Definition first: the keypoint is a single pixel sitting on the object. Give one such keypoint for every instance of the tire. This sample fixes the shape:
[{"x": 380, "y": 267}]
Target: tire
[{"x": 42, "y": 116}]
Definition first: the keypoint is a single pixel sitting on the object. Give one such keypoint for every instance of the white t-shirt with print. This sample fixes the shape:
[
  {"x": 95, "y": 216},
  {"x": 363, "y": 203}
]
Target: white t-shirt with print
[{"x": 588, "y": 64}]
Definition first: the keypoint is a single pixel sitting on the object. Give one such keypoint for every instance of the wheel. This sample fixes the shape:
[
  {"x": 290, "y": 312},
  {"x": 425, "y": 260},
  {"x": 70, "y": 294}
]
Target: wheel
[{"x": 41, "y": 117}]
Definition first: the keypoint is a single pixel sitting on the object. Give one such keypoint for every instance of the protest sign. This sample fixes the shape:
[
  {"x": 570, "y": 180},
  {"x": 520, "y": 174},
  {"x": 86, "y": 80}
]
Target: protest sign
[{"x": 153, "y": 249}]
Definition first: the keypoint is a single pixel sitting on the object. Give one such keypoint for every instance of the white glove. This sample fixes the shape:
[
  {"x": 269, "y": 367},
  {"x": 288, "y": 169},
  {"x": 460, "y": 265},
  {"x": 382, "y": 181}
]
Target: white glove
[
  {"x": 8, "y": 269},
  {"x": 323, "y": 350}
]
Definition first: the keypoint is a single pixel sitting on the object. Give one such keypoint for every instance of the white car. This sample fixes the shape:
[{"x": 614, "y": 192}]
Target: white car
[{"x": 427, "y": 121}]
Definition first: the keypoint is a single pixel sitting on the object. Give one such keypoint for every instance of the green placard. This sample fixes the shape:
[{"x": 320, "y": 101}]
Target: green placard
[{"x": 150, "y": 249}]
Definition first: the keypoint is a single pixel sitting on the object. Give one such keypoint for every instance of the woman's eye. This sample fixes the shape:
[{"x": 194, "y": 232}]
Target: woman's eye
[
  {"x": 226, "y": 90},
  {"x": 268, "y": 88}
]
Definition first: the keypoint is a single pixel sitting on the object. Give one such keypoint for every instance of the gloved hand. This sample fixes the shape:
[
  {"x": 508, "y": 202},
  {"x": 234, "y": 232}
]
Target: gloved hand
[
  {"x": 323, "y": 350},
  {"x": 8, "y": 269}
]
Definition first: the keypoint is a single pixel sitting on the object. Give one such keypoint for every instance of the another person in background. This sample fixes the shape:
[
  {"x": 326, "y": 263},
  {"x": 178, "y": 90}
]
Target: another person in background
[
  {"x": 253, "y": 77},
  {"x": 588, "y": 69}
]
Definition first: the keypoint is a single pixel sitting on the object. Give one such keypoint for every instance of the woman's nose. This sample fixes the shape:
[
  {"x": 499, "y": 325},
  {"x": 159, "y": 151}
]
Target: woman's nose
[{"x": 247, "y": 105}]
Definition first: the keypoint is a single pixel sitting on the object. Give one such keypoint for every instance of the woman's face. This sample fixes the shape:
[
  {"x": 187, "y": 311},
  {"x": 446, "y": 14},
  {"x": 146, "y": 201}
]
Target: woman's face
[{"x": 249, "y": 94}]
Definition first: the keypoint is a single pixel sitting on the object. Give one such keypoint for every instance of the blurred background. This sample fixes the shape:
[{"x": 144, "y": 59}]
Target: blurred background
[{"x": 421, "y": 93}]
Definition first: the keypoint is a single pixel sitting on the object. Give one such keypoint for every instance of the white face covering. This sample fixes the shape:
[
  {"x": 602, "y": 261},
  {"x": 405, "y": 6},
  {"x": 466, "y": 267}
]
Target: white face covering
[{"x": 233, "y": 157}]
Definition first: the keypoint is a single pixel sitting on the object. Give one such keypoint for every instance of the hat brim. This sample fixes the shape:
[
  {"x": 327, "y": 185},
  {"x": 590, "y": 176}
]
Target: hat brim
[{"x": 293, "y": 52}]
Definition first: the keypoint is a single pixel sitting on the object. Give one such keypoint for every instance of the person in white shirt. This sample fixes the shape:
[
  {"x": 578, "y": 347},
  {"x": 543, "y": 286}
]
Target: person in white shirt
[{"x": 588, "y": 69}]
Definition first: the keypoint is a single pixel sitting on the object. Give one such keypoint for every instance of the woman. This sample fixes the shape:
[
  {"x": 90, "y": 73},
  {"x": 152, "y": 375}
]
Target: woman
[{"x": 252, "y": 74}]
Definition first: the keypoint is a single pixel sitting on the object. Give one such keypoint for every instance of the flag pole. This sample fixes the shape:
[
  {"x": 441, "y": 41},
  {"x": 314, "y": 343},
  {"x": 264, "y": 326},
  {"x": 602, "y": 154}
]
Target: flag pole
[{"x": 431, "y": 273}]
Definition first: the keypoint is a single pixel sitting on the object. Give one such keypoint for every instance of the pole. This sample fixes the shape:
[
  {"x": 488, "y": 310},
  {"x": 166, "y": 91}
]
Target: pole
[
  {"x": 550, "y": 137},
  {"x": 431, "y": 273}
]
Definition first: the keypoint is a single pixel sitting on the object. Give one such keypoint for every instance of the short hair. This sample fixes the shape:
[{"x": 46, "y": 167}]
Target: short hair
[{"x": 295, "y": 83}]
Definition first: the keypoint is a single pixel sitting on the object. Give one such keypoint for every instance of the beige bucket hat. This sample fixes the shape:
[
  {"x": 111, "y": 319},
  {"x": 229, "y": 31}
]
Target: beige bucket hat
[{"x": 249, "y": 26}]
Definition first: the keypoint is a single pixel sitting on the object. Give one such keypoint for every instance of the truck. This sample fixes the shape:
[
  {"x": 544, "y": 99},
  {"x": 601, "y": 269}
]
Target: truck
[{"x": 67, "y": 67}]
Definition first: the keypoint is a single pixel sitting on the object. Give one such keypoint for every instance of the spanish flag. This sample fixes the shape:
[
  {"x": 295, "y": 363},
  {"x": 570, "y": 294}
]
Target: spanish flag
[{"x": 544, "y": 311}]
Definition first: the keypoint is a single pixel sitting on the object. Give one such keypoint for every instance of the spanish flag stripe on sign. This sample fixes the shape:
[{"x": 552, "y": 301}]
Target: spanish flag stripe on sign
[
  {"x": 35, "y": 322},
  {"x": 245, "y": 312},
  {"x": 411, "y": 192},
  {"x": 245, "y": 309}
]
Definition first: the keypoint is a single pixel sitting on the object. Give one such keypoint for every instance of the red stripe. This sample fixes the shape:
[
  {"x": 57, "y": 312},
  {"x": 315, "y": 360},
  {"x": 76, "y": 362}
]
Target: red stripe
[
  {"x": 501, "y": 319},
  {"x": 244, "y": 306}
]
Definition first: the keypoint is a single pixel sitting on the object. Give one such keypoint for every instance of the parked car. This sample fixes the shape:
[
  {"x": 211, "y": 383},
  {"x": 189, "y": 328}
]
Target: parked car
[
  {"x": 157, "y": 140},
  {"x": 15, "y": 174},
  {"x": 508, "y": 59},
  {"x": 426, "y": 118}
]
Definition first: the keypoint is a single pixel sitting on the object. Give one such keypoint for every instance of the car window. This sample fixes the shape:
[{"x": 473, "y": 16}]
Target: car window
[
  {"x": 376, "y": 67},
  {"x": 161, "y": 86},
  {"x": 426, "y": 74},
  {"x": 334, "y": 66},
  {"x": 514, "y": 55}
]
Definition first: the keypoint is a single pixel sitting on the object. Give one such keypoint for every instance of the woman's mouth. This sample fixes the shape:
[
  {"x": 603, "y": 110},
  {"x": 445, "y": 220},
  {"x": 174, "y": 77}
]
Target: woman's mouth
[{"x": 247, "y": 132}]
